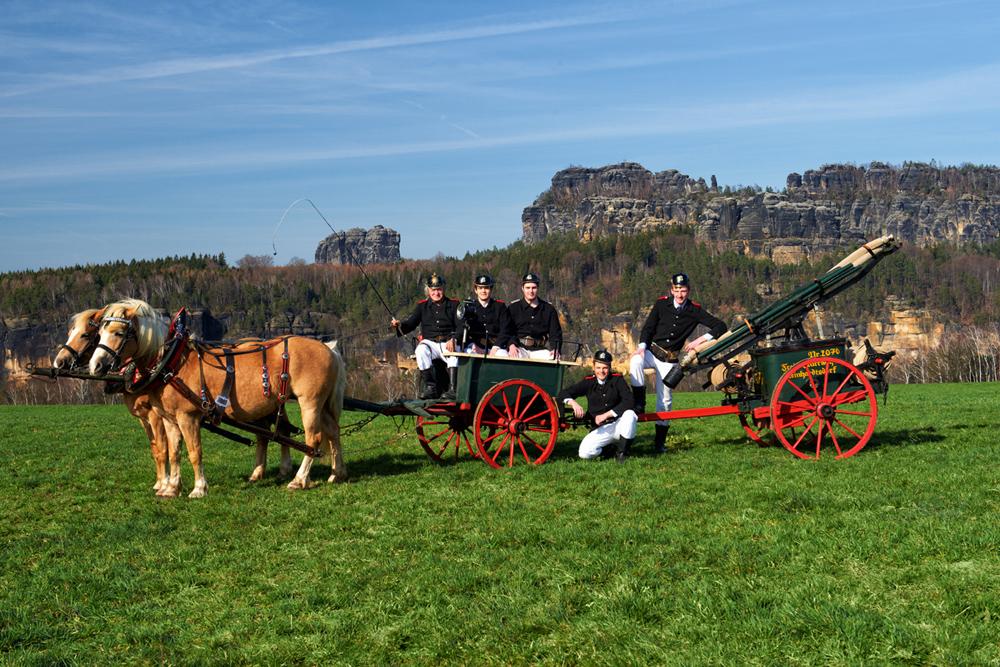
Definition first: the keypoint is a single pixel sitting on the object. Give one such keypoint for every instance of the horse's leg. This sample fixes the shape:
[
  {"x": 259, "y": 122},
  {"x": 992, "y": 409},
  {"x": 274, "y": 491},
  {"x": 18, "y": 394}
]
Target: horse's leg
[
  {"x": 331, "y": 427},
  {"x": 173, "y": 485},
  {"x": 312, "y": 423},
  {"x": 139, "y": 406},
  {"x": 159, "y": 446},
  {"x": 285, "y": 470},
  {"x": 190, "y": 424},
  {"x": 260, "y": 460}
]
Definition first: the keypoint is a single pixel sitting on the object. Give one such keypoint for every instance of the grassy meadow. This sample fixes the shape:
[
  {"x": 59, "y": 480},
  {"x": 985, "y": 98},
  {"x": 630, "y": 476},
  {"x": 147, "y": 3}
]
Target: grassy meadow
[{"x": 717, "y": 553}]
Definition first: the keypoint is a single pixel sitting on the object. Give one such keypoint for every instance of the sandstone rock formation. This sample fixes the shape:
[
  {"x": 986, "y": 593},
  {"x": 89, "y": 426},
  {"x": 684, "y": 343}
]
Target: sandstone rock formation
[
  {"x": 377, "y": 245},
  {"x": 820, "y": 211}
]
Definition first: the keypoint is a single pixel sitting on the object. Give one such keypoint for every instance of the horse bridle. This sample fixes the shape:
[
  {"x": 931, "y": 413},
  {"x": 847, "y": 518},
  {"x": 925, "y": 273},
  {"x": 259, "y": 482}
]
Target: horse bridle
[
  {"x": 86, "y": 348},
  {"x": 129, "y": 333}
]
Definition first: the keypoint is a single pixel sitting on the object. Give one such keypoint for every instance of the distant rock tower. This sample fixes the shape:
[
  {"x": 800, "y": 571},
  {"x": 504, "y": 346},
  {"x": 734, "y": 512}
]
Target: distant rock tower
[{"x": 378, "y": 245}]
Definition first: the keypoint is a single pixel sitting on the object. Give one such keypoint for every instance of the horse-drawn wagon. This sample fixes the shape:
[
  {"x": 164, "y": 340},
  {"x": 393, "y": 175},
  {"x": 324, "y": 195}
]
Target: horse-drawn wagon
[{"x": 806, "y": 393}]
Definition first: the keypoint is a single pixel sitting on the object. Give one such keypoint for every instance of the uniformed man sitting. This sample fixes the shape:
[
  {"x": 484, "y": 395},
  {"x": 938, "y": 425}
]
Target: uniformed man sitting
[
  {"x": 610, "y": 404},
  {"x": 489, "y": 328},
  {"x": 437, "y": 317},
  {"x": 670, "y": 322},
  {"x": 539, "y": 334}
]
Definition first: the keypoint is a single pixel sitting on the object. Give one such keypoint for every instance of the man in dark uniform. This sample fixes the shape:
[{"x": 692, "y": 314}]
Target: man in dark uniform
[
  {"x": 490, "y": 329},
  {"x": 539, "y": 334},
  {"x": 610, "y": 405},
  {"x": 437, "y": 316},
  {"x": 670, "y": 322}
]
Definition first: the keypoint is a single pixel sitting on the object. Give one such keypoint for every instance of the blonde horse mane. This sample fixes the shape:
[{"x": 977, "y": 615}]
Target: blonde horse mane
[
  {"x": 151, "y": 331},
  {"x": 82, "y": 319}
]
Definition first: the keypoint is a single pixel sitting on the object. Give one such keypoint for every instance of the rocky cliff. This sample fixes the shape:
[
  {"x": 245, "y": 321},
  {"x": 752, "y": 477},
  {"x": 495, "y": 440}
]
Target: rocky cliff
[
  {"x": 819, "y": 211},
  {"x": 377, "y": 245}
]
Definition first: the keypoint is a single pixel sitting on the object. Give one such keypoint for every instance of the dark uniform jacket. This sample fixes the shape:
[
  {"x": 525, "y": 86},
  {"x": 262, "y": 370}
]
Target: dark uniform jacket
[
  {"x": 541, "y": 324},
  {"x": 492, "y": 325},
  {"x": 437, "y": 321},
  {"x": 670, "y": 328},
  {"x": 615, "y": 394}
]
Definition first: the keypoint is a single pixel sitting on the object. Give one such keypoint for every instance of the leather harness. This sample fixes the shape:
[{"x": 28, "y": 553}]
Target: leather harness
[{"x": 164, "y": 372}]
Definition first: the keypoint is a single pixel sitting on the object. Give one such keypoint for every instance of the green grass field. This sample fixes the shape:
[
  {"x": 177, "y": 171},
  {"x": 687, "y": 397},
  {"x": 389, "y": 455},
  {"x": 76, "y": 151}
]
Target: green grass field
[{"x": 717, "y": 553}]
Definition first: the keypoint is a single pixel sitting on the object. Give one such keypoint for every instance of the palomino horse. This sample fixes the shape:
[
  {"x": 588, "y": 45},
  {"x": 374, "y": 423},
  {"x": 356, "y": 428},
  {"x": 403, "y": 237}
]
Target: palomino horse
[
  {"x": 75, "y": 354},
  {"x": 311, "y": 372}
]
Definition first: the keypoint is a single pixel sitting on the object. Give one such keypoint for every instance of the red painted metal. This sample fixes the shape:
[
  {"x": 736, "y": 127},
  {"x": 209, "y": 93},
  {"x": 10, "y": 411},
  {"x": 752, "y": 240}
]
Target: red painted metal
[
  {"x": 687, "y": 414},
  {"x": 822, "y": 416},
  {"x": 446, "y": 433}
]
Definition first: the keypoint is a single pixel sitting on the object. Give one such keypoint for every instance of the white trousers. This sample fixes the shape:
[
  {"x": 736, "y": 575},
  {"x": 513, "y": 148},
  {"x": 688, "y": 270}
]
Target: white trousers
[
  {"x": 429, "y": 350},
  {"x": 536, "y": 354},
  {"x": 605, "y": 434},
  {"x": 664, "y": 396},
  {"x": 499, "y": 353}
]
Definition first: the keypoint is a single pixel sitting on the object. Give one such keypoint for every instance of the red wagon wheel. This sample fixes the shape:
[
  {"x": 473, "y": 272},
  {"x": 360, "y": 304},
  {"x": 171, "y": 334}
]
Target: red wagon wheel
[
  {"x": 516, "y": 421},
  {"x": 450, "y": 430},
  {"x": 828, "y": 406}
]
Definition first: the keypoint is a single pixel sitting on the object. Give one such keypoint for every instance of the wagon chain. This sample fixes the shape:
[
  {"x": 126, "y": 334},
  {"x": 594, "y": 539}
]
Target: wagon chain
[{"x": 384, "y": 444}]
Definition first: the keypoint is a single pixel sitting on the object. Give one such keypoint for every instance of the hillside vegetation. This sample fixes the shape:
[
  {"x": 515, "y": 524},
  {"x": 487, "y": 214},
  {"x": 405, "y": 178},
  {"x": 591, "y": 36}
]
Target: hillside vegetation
[
  {"x": 587, "y": 281},
  {"x": 590, "y": 283}
]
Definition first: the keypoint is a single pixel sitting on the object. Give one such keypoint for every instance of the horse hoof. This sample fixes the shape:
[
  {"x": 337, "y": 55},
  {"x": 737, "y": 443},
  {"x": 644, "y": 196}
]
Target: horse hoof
[
  {"x": 337, "y": 479},
  {"x": 297, "y": 485}
]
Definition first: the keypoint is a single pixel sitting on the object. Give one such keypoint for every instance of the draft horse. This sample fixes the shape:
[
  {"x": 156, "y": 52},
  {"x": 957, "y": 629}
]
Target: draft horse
[
  {"x": 75, "y": 354},
  {"x": 210, "y": 381}
]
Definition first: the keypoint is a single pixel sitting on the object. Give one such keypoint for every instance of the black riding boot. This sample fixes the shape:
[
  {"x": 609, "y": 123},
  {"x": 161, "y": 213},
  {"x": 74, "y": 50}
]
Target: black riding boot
[
  {"x": 607, "y": 452},
  {"x": 430, "y": 384},
  {"x": 639, "y": 394},
  {"x": 624, "y": 444},
  {"x": 660, "y": 440},
  {"x": 450, "y": 394}
]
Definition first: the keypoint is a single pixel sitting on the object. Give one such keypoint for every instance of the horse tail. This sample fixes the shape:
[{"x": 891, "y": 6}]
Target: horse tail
[{"x": 336, "y": 401}]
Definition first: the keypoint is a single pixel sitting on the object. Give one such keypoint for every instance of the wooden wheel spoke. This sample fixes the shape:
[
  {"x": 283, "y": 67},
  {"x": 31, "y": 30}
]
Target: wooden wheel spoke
[
  {"x": 798, "y": 421},
  {"x": 524, "y": 452},
  {"x": 525, "y": 436},
  {"x": 847, "y": 397},
  {"x": 489, "y": 439},
  {"x": 847, "y": 428},
  {"x": 527, "y": 405},
  {"x": 851, "y": 412},
  {"x": 844, "y": 383},
  {"x": 819, "y": 436},
  {"x": 535, "y": 418},
  {"x": 499, "y": 449},
  {"x": 812, "y": 382},
  {"x": 805, "y": 433},
  {"x": 833, "y": 437},
  {"x": 799, "y": 389}
]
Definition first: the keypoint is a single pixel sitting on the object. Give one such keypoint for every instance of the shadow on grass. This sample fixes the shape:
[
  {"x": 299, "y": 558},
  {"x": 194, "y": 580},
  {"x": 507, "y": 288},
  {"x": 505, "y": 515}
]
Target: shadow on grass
[{"x": 903, "y": 438}]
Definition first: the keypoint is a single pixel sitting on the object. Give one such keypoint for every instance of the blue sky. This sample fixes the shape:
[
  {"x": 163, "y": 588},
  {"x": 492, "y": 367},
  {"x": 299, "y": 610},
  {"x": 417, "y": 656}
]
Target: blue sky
[{"x": 140, "y": 130}]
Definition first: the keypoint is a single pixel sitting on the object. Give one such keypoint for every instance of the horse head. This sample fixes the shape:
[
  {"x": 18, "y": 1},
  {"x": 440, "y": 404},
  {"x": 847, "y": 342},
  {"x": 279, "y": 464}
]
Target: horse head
[
  {"x": 130, "y": 329},
  {"x": 75, "y": 353}
]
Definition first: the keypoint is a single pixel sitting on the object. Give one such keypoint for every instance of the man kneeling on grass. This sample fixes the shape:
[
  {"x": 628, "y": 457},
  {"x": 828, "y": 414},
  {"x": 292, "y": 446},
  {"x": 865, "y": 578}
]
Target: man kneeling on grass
[{"x": 611, "y": 407}]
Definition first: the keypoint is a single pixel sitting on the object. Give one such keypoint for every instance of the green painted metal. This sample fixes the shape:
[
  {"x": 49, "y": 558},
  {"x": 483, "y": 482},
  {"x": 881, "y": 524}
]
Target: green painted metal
[
  {"x": 772, "y": 362},
  {"x": 477, "y": 374}
]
